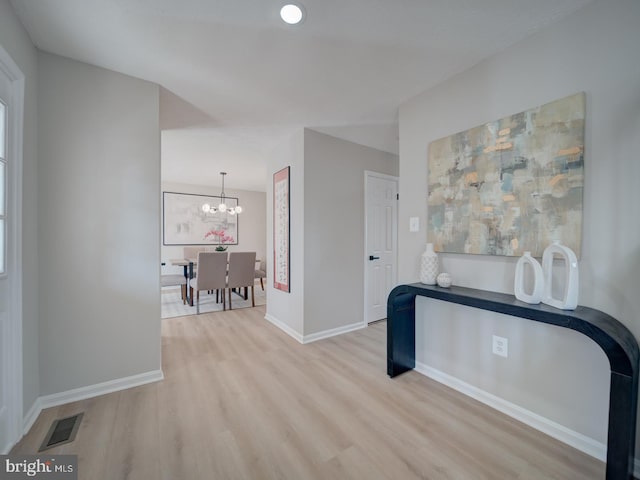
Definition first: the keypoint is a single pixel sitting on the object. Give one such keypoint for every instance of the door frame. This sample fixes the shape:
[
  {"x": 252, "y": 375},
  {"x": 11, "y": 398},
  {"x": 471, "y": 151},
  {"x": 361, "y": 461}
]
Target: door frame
[
  {"x": 367, "y": 175},
  {"x": 13, "y": 339}
]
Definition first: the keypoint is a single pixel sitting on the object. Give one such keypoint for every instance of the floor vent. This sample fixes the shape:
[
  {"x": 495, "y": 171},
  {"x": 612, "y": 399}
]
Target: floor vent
[{"x": 61, "y": 431}]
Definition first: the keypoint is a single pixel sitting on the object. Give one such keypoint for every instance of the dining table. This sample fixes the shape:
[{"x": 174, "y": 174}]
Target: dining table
[{"x": 188, "y": 264}]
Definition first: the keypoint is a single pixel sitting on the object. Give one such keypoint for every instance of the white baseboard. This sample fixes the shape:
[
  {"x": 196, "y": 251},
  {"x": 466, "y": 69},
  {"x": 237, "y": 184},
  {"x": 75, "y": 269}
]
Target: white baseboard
[
  {"x": 284, "y": 327},
  {"x": 31, "y": 416},
  {"x": 576, "y": 440},
  {"x": 314, "y": 337},
  {"x": 90, "y": 391}
]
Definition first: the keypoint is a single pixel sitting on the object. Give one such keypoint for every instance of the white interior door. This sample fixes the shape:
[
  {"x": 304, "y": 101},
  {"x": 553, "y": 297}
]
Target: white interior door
[
  {"x": 381, "y": 242},
  {"x": 11, "y": 96}
]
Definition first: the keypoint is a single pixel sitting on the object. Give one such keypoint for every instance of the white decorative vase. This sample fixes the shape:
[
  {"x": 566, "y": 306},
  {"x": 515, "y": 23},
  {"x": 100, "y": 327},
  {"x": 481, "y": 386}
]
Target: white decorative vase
[
  {"x": 429, "y": 266},
  {"x": 538, "y": 279},
  {"x": 569, "y": 300}
]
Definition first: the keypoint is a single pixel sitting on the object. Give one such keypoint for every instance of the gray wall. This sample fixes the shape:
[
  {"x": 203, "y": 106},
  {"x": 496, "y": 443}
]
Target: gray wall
[
  {"x": 252, "y": 222},
  {"x": 334, "y": 228},
  {"x": 555, "y": 373},
  {"x": 287, "y": 308},
  {"x": 15, "y": 40},
  {"x": 327, "y": 230},
  {"x": 99, "y": 184}
]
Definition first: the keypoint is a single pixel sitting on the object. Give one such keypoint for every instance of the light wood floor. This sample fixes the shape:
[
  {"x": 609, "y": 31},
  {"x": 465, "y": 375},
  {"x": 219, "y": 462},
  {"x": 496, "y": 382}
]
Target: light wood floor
[{"x": 242, "y": 400}]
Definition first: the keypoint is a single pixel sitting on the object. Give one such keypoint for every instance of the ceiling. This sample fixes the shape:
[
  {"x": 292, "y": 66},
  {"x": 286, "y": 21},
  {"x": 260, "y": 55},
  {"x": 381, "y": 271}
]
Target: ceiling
[{"x": 236, "y": 79}]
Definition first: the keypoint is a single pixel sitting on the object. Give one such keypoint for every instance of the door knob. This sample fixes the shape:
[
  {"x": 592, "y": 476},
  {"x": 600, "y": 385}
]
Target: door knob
[{"x": 371, "y": 257}]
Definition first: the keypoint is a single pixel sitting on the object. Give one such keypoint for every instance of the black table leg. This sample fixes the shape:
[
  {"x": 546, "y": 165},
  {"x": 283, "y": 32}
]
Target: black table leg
[
  {"x": 188, "y": 275},
  {"x": 401, "y": 334},
  {"x": 622, "y": 426},
  {"x": 189, "y": 281}
]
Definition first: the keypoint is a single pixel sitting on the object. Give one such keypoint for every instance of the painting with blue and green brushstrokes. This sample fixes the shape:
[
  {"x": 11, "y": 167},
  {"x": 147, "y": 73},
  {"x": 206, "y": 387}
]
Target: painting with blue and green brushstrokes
[{"x": 511, "y": 185}]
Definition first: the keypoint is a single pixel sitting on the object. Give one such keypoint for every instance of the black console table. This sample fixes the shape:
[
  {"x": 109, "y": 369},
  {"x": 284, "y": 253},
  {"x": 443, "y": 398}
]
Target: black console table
[{"x": 614, "y": 338}]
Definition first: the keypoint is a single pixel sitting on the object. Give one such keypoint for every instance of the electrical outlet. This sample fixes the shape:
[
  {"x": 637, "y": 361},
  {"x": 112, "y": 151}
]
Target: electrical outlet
[{"x": 500, "y": 346}]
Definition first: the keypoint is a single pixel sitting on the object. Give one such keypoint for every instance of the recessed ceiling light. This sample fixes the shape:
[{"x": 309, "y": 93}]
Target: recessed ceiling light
[{"x": 291, "y": 14}]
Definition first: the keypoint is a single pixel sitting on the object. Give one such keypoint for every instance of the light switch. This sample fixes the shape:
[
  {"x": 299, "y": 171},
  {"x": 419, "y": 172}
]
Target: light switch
[{"x": 414, "y": 224}]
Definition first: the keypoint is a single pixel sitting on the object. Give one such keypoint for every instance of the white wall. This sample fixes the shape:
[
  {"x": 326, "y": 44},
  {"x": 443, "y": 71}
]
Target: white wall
[
  {"x": 286, "y": 309},
  {"x": 15, "y": 40},
  {"x": 252, "y": 222},
  {"x": 556, "y": 373},
  {"x": 334, "y": 228},
  {"x": 99, "y": 255}
]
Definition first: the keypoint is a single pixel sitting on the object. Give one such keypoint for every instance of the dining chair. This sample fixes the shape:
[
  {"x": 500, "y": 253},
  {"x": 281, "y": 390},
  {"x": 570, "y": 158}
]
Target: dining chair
[
  {"x": 192, "y": 252},
  {"x": 174, "y": 280},
  {"x": 242, "y": 266},
  {"x": 261, "y": 272},
  {"x": 212, "y": 275}
]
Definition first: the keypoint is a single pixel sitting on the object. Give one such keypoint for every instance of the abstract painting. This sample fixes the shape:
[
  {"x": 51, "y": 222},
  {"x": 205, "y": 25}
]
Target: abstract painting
[
  {"x": 512, "y": 185},
  {"x": 185, "y": 223}
]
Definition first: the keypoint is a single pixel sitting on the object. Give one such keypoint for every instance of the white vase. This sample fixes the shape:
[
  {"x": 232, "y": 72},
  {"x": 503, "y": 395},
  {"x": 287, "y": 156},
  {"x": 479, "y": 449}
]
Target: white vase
[
  {"x": 538, "y": 279},
  {"x": 429, "y": 266},
  {"x": 569, "y": 300}
]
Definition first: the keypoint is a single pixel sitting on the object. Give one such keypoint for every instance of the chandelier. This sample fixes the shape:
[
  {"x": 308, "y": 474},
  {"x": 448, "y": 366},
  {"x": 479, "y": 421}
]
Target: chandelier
[{"x": 222, "y": 207}]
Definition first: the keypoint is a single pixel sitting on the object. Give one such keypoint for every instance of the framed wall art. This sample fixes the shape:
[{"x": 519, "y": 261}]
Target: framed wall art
[
  {"x": 512, "y": 185},
  {"x": 281, "y": 230},
  {"x": 185, "y": 223}
]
